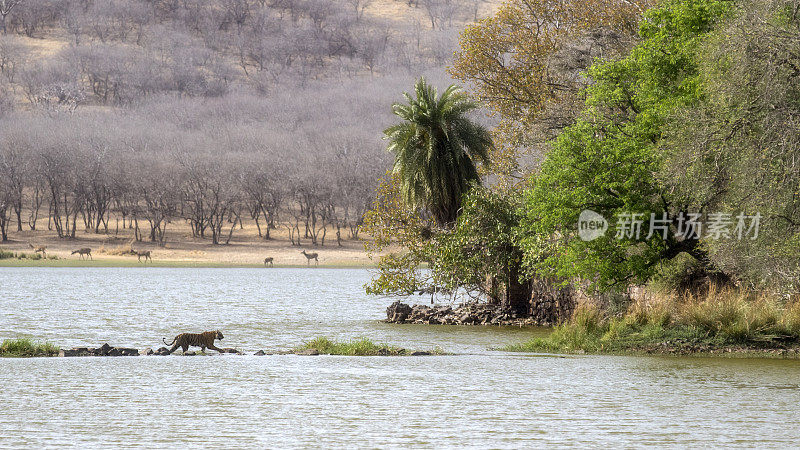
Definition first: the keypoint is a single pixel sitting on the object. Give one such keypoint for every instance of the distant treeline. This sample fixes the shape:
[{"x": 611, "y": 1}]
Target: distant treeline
[
  {"x": 77, "y": 170},
  {"x": 212, "y": 111}
]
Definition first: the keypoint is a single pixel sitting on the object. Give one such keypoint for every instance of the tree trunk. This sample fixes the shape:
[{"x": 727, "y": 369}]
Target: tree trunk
[
  {"x": 18, "y": 211},
  {"x": 517, "y": 295}
]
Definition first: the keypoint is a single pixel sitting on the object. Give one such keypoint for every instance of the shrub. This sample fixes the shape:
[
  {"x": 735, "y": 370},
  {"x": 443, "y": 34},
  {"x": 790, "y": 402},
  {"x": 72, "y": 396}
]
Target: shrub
[
  {"x": 27, "y": 347},
  {"x": 360, "y": 347}
]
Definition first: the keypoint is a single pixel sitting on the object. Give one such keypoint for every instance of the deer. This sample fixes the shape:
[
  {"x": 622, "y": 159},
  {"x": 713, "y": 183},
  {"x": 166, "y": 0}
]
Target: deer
[
  {"x": 145, "y": 254},
  {"x": 38, "y": 249},
  {"x": 310, "y": 256},
  {"x": 82, "y": 252},
  {"x": 268, "y": 260}
]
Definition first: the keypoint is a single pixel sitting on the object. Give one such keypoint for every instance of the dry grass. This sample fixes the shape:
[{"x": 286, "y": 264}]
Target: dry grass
[
  {"x": 120, "y": 250},
  {"x": 722, "y": 317}
]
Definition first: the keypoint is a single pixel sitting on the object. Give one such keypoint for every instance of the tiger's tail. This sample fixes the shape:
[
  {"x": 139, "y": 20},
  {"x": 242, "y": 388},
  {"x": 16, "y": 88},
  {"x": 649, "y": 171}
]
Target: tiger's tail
[{"x": 173, "y": 341}]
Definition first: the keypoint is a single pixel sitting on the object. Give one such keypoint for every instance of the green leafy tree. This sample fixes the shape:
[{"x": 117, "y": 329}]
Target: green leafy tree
[
  {"x": 436, "y": 148},
  {"x": 737, "y": 150},
  {"x": 608, "y": 161},
  {"x": 480, "y": 254}
]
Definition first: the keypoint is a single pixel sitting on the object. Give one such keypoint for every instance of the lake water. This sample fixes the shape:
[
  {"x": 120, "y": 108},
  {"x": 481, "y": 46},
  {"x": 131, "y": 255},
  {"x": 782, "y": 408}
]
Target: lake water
[{"x": 475, "y": 398}]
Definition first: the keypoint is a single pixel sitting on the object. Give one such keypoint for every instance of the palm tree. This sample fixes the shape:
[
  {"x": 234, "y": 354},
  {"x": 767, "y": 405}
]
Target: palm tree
[{"x": 435, "y": 149}]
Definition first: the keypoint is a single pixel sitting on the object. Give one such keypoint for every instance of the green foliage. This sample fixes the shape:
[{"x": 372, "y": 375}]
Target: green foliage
[
  {"x": 6, "y": 254},
  {"x": 436, "y": 148},
  {"x": 737, "y": 149},
  {"x": 360, "y": 347},
  {"x": 397, "y": 274},
  {"x": 26, "y": 348},
  {"x": 482, "y": 243},
  {"x": 608, "y": 160}
]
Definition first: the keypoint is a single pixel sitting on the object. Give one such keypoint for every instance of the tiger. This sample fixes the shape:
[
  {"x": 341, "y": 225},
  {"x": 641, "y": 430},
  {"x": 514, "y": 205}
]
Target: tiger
[{"x": 203, "y": 340}]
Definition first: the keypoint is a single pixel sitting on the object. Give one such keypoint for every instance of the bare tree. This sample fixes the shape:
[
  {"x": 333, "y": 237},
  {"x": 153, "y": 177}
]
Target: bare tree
[
  {"x": 359, "y": 6},
  {"x": 13, "y": 165},
  {"x": 6, "y": 6},
  {"x": 13, "y": 54}
]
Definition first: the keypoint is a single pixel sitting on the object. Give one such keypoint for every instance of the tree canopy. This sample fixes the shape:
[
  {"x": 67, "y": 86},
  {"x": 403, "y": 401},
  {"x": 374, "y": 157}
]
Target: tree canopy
[{"x": 608, "y": 161}]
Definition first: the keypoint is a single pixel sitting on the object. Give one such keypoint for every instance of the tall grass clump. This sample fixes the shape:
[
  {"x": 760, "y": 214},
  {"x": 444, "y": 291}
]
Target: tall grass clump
[
  {"x": 26, "y": 347},
  {"x": 790, "y": 321},
  {"x": 359, "y": 347},
  {"x": 583, "y": 332},
  {"x": 734, "y": 315},
  {"x": 719, "y": 317},
  {"x": 7, "y": 255}
]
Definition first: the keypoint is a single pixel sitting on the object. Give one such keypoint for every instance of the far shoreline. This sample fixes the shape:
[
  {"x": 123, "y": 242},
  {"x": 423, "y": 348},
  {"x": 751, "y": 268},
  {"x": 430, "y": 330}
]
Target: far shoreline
[{"x": 178, "y": 264}]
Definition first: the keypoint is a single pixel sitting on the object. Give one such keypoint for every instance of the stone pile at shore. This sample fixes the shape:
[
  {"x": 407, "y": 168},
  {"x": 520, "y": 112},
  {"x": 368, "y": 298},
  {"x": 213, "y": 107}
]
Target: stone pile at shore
[
  {"x": 107, "y": 350},
  {"x": 104, "y": 350},
  {"x": 465, "y": 314}
]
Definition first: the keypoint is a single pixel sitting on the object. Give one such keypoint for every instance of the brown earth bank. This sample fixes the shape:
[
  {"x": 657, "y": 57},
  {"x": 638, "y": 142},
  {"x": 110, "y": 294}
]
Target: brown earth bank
[{"x": 245, "y": 248}]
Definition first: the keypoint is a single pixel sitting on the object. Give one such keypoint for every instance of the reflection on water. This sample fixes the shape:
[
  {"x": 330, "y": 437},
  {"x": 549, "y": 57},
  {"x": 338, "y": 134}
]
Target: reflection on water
[{"x": 476, "y": 398}]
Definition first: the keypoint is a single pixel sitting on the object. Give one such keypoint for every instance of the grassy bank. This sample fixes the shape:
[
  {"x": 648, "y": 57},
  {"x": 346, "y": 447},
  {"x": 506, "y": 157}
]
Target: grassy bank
[
  {"x": 721, "y": 322},
  {"x": 359, "y": 347},
  {"x": 26, "y": 348}
]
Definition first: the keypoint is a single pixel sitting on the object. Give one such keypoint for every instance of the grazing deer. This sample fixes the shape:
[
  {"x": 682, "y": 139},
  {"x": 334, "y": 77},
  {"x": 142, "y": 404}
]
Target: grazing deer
[
  {"x": 268, "y": 260},
  {"x": 146, "y": 255},
  {"x": 310, "y": 256},
  {"x": 39, "y": 248},
  {"x": 82, "y": 252}
]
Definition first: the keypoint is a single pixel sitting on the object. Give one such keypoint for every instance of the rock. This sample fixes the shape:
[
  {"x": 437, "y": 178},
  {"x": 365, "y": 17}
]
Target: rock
[
  {"x": 103, "y": 351},
  {"x": 420, "y": 353},
  {"x": 162, "y": 351},
  {"x": 259, "y": 353},
  {"x": 129, "y": 351},
  {"x": 229, "y": 350},
  {"x": 75, "y": 352},
  {"x": 308, "y": 352},
  {"x": 189, "y": 353},
  {"x": 398, "y": 312},
  {"x": 148, "y": 351}
]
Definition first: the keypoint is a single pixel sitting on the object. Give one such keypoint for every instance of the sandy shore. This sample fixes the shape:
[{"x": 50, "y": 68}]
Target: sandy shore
[{"x": 246, "y": 249}]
